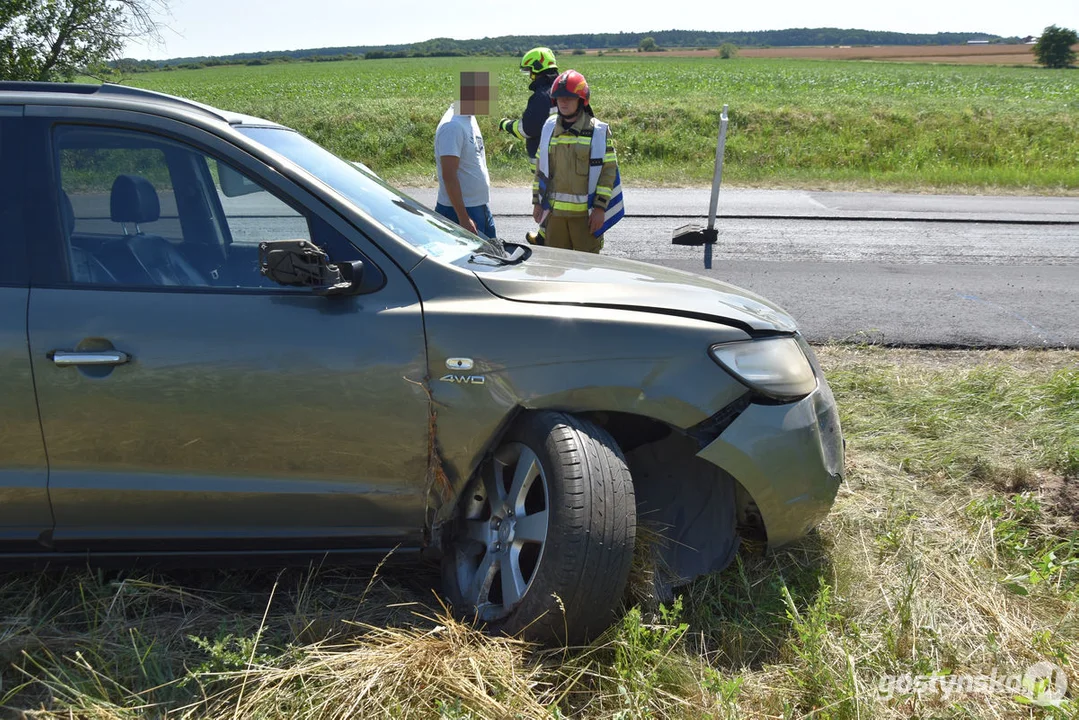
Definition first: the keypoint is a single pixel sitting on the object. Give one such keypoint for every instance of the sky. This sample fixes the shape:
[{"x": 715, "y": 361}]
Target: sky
[{"x": 223, "y": 27}]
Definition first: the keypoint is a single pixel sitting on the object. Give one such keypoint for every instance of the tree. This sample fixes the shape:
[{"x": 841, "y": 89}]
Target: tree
[
  {"x": 647, "y": 45},
  {"x": 728, "y": 50},
  {"x": 1054, "y": 47},
  {"x": 57, "y": 39}
]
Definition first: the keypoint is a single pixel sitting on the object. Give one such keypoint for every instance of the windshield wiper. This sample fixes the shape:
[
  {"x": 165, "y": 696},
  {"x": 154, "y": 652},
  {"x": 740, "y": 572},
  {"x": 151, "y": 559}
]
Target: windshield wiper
[{"x": 514, "y": 254}]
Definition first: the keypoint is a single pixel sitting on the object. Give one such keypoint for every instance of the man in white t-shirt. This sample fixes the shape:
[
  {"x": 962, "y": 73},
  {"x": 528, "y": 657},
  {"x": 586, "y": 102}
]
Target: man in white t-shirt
[{"x": 464, "y": 187}]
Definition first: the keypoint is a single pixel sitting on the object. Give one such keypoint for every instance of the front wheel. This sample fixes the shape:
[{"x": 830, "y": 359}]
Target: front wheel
[{"x": 544, "y": 534}]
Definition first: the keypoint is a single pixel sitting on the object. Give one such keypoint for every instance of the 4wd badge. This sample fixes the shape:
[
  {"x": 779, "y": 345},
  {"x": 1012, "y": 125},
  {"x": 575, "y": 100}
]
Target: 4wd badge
[{"x": 463, "y": 379}]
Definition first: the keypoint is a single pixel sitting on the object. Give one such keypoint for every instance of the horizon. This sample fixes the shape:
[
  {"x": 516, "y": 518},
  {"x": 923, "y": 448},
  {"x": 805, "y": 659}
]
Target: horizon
[
  {"x": 974, "y": 35},
  {"x": 249, "y": 26}
]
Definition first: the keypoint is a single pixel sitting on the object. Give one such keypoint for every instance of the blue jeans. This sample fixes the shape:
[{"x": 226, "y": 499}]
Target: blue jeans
[{"x": 480, "y": 214}]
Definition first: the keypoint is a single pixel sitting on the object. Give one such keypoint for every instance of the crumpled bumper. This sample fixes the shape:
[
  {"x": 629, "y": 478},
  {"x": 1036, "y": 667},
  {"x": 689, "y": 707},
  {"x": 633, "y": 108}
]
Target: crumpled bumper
[{"x": 789, "y": 458}]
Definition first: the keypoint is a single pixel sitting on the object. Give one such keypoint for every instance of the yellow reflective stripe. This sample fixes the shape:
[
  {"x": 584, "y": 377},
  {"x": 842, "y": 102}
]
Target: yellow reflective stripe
[
  {"x": 610, "y": 157},
  {"x": 600, "y": 190},
  {"x": 569, "y": 206},
  {"x": 571, "y": 140}
]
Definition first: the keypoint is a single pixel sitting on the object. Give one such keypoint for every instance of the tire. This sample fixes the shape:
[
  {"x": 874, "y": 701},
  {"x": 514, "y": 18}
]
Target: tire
[{"x": 568, "y": 542}]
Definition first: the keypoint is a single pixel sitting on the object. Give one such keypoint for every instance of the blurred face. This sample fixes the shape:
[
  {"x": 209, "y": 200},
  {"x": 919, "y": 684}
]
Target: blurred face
[
  {"x": 568, "y": 106},
  {"x": 477, "y": 94}
]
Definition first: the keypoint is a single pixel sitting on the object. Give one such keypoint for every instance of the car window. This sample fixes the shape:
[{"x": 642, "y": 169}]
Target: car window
[
  {"x": 140, "y": 210},
  {"x": 13, "y": 271},
  {"x": 403, "y": 216}
]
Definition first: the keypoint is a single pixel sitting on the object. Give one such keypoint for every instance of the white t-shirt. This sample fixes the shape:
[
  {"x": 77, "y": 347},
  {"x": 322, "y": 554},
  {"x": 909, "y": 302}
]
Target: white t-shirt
[{"x": 459, "y": 135}]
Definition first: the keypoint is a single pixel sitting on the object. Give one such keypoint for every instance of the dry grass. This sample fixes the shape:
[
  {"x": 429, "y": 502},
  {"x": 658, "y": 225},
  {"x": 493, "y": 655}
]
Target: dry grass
[{"x": 952, "y": 548}]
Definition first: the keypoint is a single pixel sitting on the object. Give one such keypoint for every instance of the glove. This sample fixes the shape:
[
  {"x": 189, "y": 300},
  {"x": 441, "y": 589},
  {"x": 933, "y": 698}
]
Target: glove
[{"x": 506, "y": 125}]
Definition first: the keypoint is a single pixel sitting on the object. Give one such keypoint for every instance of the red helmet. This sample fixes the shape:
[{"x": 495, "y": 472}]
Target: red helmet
[{"x": 570, "y": 84}]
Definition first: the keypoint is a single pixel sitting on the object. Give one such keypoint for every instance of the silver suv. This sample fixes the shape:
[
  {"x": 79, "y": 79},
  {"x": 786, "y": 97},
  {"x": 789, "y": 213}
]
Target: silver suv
[{"x": 219, "y": 339}]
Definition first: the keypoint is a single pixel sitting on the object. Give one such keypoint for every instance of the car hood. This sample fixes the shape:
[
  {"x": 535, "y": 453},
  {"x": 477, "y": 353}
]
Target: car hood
[{"x": 571, "y": 278}]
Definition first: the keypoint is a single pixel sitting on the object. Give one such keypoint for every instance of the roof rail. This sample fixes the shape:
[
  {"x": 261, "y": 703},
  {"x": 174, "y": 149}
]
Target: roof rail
[
  {"x": 29, "y": 86},
  {"x": 108, "y": 89},
  {"x": 128, "y": 91}
]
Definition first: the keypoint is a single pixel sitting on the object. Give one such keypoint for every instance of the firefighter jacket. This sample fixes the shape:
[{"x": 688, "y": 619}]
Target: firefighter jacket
[
  {"x": 565, "y": 187},
  {"x": 536, "y": 112}
]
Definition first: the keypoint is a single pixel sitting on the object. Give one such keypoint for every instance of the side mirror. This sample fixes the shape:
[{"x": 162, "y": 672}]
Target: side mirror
[
  {"x": 234, "y": 184},
  {"x": 301, "y": 263}
]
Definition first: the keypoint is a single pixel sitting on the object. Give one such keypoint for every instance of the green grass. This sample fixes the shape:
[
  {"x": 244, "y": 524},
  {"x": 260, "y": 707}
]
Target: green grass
[
  {"x": 799, "y": 123},
  {"x": 953, "y": 549}
]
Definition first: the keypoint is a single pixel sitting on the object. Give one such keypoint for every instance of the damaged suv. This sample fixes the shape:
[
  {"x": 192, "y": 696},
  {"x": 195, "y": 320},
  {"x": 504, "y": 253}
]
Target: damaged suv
[{"x": 219, "y": 339}]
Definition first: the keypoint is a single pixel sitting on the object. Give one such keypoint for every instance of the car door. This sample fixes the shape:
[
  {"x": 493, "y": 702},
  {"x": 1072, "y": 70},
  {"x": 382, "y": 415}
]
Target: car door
[
  {"x": 24, "y": 502},
  {"x": 189, "y": 402}
]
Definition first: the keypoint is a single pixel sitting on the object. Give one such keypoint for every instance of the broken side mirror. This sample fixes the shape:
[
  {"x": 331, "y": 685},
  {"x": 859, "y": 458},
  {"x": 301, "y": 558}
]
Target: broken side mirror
[{"x": 301, "y": 263}]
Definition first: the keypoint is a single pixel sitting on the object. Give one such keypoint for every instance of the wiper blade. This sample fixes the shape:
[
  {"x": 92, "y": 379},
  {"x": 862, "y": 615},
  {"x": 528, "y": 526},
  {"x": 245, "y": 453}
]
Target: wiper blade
[{"x": 514, "y": 254}]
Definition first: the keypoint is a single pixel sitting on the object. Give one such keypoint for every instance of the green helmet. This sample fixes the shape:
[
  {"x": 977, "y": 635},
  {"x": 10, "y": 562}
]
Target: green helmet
[{"x": 538, "y": 60}]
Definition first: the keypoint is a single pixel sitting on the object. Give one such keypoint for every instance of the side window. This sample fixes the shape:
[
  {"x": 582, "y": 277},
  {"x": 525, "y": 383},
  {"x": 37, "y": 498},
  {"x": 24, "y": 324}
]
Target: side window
[
  {"x": 12, "y": 238},
  {"x": 143, "y": 211}
]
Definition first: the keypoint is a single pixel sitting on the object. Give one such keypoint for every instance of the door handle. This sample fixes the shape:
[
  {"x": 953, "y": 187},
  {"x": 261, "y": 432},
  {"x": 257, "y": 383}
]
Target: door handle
[{"x": 67, "y": 358}]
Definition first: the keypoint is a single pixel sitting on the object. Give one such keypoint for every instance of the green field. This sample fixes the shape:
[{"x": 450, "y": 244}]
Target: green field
[{"x": 795, "y": 123}]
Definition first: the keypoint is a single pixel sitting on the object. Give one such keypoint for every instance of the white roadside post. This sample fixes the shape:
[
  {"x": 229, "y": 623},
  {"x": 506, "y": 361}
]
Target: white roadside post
[{"x": 694, "y": 234}]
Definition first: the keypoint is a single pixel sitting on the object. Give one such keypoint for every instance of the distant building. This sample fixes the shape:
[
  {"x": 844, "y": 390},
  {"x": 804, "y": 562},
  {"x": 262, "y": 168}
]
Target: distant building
[
  {"x": 1029, "y": 40},
  {"x": 977, "y": 42}
]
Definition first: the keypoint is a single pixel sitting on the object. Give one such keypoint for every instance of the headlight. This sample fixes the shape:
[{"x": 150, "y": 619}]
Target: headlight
[{"x": 776, "y": 367}]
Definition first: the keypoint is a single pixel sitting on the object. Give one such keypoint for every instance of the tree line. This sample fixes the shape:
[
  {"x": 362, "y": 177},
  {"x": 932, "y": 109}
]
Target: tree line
[{"x": 517, "y": 44}]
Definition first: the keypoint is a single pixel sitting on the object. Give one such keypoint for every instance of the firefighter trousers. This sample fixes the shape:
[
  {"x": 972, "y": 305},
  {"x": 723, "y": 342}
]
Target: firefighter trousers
[{"x": 569, "y": 232}]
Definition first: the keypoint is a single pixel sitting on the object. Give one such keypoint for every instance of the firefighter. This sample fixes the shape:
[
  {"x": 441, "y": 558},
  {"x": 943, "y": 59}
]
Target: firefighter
[
  {"x": 542, "y": 69},
  {"x": 577, "y": 192}
]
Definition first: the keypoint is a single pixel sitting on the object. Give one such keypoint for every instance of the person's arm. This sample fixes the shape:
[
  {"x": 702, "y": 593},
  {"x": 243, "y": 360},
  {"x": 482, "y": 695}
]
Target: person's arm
[
  {"x": 450, "y": 164},
  {"x": 537, "y": 209},
  {"x": 530, "y": 125},
  {"x": 513, "y": 127}
]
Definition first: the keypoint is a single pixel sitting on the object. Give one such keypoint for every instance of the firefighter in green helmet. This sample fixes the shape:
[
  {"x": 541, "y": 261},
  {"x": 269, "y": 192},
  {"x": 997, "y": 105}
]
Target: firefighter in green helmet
[{"x": 540, "y": 65}]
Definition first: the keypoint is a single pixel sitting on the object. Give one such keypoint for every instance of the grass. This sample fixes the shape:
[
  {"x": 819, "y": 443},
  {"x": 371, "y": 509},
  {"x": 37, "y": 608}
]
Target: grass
[
  {"x": 804, "y": 123},
  {"x": 953, "y": 550}
]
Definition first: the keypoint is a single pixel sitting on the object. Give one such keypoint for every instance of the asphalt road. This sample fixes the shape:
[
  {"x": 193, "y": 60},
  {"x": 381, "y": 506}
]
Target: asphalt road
[{"x": 916, "y": 270}]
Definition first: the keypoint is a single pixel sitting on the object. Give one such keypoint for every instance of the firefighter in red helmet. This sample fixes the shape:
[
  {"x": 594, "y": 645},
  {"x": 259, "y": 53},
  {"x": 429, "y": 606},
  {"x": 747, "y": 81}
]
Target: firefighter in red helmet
[{"x": 577, "y": 191}]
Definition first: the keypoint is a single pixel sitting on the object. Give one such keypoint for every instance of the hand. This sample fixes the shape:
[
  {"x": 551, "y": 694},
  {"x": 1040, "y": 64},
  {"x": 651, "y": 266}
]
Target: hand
[
  {"x": 466, "y": 222},
  {"x": 537, "y": 213},
  {"x": 506, "y": 125},
  {"x": 595, "y": 220}
]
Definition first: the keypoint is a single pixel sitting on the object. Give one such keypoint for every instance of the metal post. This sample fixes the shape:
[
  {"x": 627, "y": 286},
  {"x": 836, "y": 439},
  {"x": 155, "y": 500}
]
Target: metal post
[
  {"x": 693, "y": 234},
  {"x": 717, "y": 178}
]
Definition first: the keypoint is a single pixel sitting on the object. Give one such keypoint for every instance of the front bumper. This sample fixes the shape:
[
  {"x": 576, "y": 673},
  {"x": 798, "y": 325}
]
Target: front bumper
[{"x": 789, "y": 458}]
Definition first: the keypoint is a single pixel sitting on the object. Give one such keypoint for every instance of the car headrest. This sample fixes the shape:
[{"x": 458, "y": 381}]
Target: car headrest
[
  {"x": 134, "y": 200},
  {"x": 67, "y": 214}
]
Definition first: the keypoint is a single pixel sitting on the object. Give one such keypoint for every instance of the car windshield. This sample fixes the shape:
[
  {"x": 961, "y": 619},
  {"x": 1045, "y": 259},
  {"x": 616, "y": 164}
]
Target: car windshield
[{"x": 412, "y": 222}]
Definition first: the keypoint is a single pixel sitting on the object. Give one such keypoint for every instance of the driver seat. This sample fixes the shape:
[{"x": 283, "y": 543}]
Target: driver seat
[{"x": 134, "y": 200}]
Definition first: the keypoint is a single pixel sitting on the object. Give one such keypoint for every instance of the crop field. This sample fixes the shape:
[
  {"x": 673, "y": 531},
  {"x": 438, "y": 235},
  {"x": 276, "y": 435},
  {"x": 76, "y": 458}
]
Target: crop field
[
  {"x": 951, "y": 555},
  {"x": 793, "y": 123}
]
